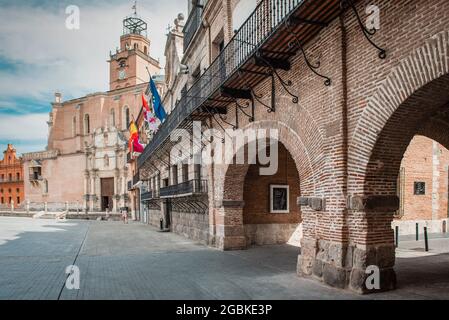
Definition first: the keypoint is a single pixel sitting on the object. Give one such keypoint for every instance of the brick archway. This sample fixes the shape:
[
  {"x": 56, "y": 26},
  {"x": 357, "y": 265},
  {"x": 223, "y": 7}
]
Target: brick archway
[
  {"x": 413, "y": 99},
  {"x": 436, "y": 129},
  {"x": 235, "y": 174},
  {"x": 230, "y": 232},
  {"x": 415, "y": 76}
]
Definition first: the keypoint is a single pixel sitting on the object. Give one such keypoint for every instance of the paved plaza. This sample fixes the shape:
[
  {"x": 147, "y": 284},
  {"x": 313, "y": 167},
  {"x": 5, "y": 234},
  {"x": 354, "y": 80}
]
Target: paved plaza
[{"x": 134, "y": 261}]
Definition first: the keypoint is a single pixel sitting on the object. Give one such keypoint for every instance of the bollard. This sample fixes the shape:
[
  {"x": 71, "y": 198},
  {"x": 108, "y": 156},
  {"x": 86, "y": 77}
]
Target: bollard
[
  {"x": 161, "y": 223},
  {"x": 426, "y": 239},
  {"x": 417, "y": 232},
  {"x": 397, "y": 236}
]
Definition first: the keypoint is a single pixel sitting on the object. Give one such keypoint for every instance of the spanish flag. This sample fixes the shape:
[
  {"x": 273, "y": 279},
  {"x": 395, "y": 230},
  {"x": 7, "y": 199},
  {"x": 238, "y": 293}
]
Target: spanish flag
[{"x": 134, "y": 144}]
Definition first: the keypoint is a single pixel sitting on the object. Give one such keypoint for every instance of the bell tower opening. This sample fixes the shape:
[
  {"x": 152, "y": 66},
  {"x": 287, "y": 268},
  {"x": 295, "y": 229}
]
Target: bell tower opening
[{"x": 129, "y": 63}]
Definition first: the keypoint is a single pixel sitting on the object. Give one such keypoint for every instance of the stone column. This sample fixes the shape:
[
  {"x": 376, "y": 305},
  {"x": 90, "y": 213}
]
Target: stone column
[
  {"x": 116, "y": 191},
  {"x": 86, "y": 190},
  {"x": 373, "y": 240},
  {"x": 116, "y": 199},
  {"x": 230, "y": 233},
  {"x": 124, "y": 185},
  {"x": 97, "y": 196},
  {"x": 45, "y": 207},
  {"x": 344, "y": 264},
  {"x": 92, "y": 190},
  {"x": 12, "y": 205},
  {"x": 28, "y": 206}
]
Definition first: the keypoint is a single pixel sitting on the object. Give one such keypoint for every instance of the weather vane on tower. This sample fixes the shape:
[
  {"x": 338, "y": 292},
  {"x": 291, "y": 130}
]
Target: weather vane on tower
[{"x": 135, "y": 7}]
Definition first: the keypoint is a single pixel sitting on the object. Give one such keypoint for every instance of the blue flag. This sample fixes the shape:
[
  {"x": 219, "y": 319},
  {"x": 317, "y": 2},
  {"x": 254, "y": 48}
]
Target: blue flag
[{"x": 159, "y": 110}]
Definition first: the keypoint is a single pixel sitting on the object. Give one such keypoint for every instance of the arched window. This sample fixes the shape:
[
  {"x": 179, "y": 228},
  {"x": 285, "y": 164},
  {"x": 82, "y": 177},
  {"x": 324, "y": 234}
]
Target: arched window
[
  {"x": 136, "y": 46},
  {"x": 74, "y": 126},
  {"x": 86, "y": 124},
  {"x": 18, "y": 176},
  {"x": 145, "y": 50},
  {"x": 112, "y": 117},
  {"x": 126, "y": 118}
]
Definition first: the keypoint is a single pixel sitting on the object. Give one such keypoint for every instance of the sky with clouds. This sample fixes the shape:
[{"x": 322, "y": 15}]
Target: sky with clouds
[{"x": 39, "y": 55}]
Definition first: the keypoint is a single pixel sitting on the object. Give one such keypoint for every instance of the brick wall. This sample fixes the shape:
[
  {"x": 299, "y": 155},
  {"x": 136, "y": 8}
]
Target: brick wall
[
  {"x": 256, "y": 193},
  {"x": 425, "y": 161}
]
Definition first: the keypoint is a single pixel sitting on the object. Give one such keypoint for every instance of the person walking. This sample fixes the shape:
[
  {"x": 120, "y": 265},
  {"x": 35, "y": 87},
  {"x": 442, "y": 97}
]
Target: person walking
[{"x": 124, "y": 215}]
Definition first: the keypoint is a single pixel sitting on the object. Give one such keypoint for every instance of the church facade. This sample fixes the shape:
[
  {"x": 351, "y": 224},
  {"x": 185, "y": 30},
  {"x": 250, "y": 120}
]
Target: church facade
[{"x": 84, "y": 166}]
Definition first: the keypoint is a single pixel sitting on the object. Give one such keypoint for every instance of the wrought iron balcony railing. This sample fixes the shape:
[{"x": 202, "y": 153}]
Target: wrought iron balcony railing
[
  {"x": 10, "y": 181},
  {"x": 261, "y": 24},
  {"x": 147, "y": 196},
  {"x": 36, "y": 178},
  {"x": 186, "y": 188},
  {"x": 192, "y": 25}
]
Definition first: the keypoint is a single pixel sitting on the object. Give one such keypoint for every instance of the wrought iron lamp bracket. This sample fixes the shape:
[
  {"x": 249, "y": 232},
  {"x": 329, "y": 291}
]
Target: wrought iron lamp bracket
[
  {"x": 256, "y": 96},
  {"x": 367, "y": 33},
  {"x": 224, "y": 119},
  {"x": 297, "y": 43},
  {"x": 284, "y": 84}
]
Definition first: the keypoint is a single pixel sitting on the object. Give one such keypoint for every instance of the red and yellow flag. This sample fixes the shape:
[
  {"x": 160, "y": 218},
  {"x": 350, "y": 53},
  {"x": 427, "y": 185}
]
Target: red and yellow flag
[
  {"x": 133, "y": 135},
  {"x": 134, "y": 143}
]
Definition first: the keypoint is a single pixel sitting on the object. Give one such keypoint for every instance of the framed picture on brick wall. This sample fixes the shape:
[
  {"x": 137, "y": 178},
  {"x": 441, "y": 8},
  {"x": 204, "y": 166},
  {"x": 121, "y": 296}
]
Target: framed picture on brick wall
[
  {"x": 279, "y": 198},
  {"x": 419, "y": 188}
]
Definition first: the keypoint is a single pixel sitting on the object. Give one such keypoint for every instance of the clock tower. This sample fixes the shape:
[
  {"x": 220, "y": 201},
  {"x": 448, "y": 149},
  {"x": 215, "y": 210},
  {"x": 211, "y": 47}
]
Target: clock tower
[{"x": 128, "y": 64}]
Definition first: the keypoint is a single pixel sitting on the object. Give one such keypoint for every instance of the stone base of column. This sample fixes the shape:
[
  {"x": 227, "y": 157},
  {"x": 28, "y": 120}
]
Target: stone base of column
[
  {"x": 348, "y": 267},
  {"x": 230, "y": 238},
  {"x": 230, "y": 233},
  {"x": 231, "y": 243}
]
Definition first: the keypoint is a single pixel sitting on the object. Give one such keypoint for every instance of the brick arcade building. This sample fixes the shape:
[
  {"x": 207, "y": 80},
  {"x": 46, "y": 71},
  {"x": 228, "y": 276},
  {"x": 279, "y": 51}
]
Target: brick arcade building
[
  {"x": 11, "y": 179},
  {"x": 346, "y": 103}
]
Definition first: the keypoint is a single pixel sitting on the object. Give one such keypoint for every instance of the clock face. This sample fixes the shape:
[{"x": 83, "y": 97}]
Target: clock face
[{"x": 122, "y": 74}]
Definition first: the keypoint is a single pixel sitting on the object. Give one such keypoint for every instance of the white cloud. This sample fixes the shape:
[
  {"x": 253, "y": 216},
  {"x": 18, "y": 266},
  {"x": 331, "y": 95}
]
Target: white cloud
[
  {"x": 73, "y": 61},
  {"x": 24, "y": 127}
]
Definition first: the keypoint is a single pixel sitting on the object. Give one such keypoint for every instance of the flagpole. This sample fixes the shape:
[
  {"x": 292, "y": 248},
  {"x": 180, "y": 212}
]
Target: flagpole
[{"x": 148, "y": 72}]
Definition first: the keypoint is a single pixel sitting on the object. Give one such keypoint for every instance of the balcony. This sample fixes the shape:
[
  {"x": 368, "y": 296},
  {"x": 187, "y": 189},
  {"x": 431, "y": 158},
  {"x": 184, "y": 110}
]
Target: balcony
[
  {"x": 188, "y": 188},
  {"x": 264, "y": 32},
  {"x": 192, "y": 25},
  {"x": 149, "y": 195},
  {"x": 11, "y": 181},
  {"x": 36, "y": 178}
]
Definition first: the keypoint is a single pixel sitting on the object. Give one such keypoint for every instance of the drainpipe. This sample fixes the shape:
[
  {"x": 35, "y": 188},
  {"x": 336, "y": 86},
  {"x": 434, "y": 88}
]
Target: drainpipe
[
  {"x": 344, "y": 115},
  {"x": 212, "y": 201}
]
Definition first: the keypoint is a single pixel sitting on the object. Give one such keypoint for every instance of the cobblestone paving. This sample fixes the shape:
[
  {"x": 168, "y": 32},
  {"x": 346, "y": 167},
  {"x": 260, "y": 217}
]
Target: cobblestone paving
[{"x": 134, "y": 261}]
